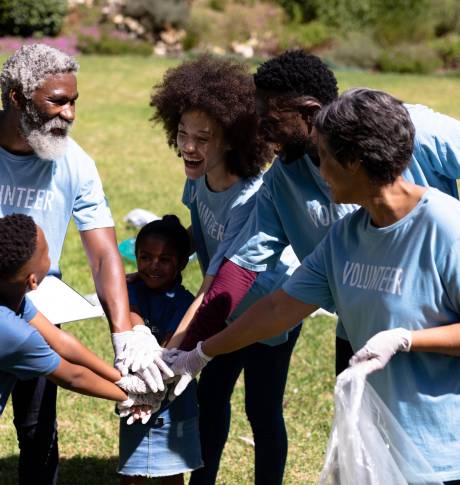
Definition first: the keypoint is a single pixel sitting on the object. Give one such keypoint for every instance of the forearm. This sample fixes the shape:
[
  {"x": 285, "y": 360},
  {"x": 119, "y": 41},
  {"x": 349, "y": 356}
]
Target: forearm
[
  {"x": 109, "y": 276},
  {"x": 267, "y": 318},
  {"x": 71, "y": 349},
  {"x": 227, "y": 290},
  {"x": 79, "y": 379},
  {"x": 181, "y": 330},
  {"x": 444, "y": 339}
]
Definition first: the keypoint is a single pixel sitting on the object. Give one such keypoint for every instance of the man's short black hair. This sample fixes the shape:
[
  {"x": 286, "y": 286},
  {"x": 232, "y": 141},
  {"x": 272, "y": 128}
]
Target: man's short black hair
[
  {"x": 371, "y": 126},
  {"x": 297, "y": 73},
  {"x": 18, "y": 241}
]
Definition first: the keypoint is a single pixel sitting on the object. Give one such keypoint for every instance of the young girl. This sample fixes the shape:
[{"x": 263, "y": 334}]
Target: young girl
[
  {"x": 207, "y": 107},
  {"x": 168, "y": 445}
]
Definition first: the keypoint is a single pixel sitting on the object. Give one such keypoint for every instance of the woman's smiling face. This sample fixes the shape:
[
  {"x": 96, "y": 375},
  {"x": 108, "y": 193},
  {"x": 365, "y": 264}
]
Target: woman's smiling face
[{"x": 201, "y": 143}]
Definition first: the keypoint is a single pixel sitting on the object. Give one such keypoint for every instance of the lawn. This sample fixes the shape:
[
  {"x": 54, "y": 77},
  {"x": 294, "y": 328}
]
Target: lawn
[{"x": 139, "y": 170}]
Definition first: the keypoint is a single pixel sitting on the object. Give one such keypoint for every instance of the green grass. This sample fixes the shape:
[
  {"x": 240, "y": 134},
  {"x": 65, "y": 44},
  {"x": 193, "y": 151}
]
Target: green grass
[{"x": 139, "y": 170}]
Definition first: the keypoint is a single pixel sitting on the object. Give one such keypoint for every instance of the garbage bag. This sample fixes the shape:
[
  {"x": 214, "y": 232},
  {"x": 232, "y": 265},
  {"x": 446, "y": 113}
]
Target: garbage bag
[{"x": 367, "y": 446}]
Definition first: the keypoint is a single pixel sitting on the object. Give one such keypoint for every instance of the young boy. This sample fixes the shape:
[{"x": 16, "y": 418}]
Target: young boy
[{"x": 30, "y": 345}]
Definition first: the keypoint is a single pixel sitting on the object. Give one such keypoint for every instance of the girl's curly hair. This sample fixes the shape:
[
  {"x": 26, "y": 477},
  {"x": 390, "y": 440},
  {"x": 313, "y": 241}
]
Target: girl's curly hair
[{"x": 225, "y": 91}]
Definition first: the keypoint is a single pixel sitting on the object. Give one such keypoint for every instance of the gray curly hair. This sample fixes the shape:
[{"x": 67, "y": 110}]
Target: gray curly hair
[{"x": 28, "y": 67}]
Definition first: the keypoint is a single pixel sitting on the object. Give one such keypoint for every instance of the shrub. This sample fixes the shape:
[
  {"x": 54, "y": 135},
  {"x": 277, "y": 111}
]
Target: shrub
[
  {"x": 156, "y": 15},
  {"x": 108, "y": 45},
  {"x": 448, "y": 48},
  {"x": 32, "y": 17},
  {"x": 357, "y": 49},
  {"x": 307, "y": 36},
  {"x": 416, "y": 59},
  {"x": 300, "y": 10}
]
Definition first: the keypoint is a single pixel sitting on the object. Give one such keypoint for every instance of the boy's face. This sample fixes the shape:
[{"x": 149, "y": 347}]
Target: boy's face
[
  {"x": 39, "y": 264},
  {"x": 157, "y": 264}
]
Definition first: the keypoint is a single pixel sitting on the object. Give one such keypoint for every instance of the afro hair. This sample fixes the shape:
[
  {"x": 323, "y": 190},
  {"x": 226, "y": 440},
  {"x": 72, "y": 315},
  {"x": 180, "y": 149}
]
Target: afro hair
[
  {"x": 224, "y": 90},
  {"x": 297, "y": 73}
]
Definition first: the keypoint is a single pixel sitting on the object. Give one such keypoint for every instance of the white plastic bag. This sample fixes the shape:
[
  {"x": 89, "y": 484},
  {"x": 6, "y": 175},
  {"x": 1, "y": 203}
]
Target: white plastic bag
[
  {"x": 140, "y": 217},
  {"x": 367, "y": 446}
]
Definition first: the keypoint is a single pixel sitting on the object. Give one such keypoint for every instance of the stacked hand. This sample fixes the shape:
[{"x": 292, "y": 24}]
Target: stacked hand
[
  {"x": 187, "y": 365},
  {"x": 138, "y": 350},
  {"x": 140, "y": 406},
  {"x": 381, "y": 347}
]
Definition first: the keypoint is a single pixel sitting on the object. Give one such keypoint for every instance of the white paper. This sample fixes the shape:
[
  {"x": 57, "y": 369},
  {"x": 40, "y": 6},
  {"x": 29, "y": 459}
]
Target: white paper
[{"x": 60, "y": 303}]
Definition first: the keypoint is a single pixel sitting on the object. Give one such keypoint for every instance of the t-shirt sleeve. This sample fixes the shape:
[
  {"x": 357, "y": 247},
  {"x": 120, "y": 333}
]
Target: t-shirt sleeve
[
  {"x": 91, "y": 209},
  {"x": 437, "y": 140},
  {"x": 309, "y": 282},
  {"x": 186, "y": 195},
  {"x": 29, "y": 310},
  {"x": 24, "y": 352},
  {"x": 262, "y": 238}
]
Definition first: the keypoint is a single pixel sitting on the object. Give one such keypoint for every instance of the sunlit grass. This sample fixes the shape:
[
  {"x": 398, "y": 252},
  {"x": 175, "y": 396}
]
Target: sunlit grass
[{"x": 139, "y": 170}]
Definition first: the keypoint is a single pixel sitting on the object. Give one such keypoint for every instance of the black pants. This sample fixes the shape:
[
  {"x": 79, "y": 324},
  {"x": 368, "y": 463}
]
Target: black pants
[
  {"x": 34, "y": 407},
  {"x": 265, "y": 374},
  {"x": 343, "y": 353}
]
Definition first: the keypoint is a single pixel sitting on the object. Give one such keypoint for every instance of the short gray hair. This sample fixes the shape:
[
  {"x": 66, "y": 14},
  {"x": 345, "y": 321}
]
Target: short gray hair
[{"x": 28, "y": 67}]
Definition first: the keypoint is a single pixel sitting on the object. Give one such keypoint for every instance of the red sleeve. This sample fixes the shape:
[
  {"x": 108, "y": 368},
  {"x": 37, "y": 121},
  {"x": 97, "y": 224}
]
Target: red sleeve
[{"x": 227, "y": 290}]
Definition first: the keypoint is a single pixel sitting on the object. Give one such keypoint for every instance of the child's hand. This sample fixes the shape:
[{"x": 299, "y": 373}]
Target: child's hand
[{"x": 142, "y": 413}]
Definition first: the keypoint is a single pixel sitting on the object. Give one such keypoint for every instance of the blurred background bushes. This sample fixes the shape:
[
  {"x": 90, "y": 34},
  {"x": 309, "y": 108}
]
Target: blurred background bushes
[{"x": 410, "y": 36}]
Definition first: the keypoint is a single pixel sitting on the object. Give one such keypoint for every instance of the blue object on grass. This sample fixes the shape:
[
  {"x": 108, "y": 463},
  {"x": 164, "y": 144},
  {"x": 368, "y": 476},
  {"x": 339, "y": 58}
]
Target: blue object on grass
[{"x": 126, "y": 249}]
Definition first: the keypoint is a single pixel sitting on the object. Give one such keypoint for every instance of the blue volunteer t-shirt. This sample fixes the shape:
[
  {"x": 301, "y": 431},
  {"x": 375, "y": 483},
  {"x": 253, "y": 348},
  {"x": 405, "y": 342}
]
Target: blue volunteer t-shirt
[
  {"x": 221, "y": 215},
  {"x": 24, "y": 354},
  {"x": 162, "y": 312},
  {"x": 404, "y": 275},
  {"x": 52, "y": 192}
]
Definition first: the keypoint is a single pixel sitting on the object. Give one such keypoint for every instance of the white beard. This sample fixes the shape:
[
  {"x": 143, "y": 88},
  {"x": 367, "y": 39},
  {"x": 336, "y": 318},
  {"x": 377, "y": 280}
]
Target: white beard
[{"x": 45, "y": 144}]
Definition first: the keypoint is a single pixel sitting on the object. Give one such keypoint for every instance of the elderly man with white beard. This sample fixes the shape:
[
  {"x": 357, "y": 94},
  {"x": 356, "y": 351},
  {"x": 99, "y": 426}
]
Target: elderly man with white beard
[{"x": 46, "y": 175}]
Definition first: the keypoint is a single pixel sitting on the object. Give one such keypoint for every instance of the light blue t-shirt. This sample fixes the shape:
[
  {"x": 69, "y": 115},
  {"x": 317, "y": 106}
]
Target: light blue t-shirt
[
  {"x": 294, "y": 206},
  {"x": 24, "y": 354},
  {"x": 221, "y": 215},
  {"x": 404, "y": 275},
  {"x": 52, "y": 192}
]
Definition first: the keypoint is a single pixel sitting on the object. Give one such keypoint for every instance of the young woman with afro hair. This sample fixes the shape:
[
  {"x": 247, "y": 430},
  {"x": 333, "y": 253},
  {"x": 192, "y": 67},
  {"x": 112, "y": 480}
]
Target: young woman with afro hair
[{"x": 207, "y": 108}]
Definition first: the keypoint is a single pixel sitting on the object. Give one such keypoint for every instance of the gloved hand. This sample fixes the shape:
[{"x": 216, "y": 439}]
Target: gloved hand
[
  {"x": 133, "y": 384},
  {"x": 188, "y": 365},
  {"x": 143, "y": 355},
  {"x": 144, "y": 405},
  {"x": 381, "y": 347},
  {"x": 120, "y": 346}
]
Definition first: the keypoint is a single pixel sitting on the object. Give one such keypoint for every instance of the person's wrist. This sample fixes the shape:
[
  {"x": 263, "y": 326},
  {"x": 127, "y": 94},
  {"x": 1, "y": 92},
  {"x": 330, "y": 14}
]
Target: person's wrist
[
  {"x": 201, "y": 353},
  {"x": 406, "y": 339}
]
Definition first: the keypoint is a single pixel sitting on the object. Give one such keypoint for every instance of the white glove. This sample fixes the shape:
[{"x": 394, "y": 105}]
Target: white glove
[
  {"x": 382, "y": 346},
  {"x": 144, "y": 356},
  {"x": 188, "y": 365},
  {"x": 120, "y": 346},
  {"x": 152, "y": 400},
  {"x": 133, "y": 384}
]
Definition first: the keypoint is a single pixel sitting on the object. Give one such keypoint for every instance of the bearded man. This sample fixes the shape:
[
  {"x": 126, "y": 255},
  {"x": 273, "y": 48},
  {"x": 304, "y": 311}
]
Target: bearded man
[{"x": 47, "y": 175}]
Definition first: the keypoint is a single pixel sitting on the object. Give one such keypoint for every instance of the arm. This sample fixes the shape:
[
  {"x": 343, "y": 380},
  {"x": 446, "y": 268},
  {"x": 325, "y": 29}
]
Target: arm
[
  {"x": 72, "y": 350},
  {"x": 225, "y": 293},
  {"x": 79, "y": 379},
  {"x": 444, "y": 340},
  {"x": 181, "y": 330},
  {"x": 108, "y": 274},
  {"x": 267, "y": 318}
]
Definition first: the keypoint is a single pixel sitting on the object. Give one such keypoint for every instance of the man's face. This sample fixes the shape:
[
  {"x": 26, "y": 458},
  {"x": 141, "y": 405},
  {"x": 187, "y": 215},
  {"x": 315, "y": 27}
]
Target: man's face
[
  {"x": 281, "y": 123},
  {"x": 47, "y": 117}
]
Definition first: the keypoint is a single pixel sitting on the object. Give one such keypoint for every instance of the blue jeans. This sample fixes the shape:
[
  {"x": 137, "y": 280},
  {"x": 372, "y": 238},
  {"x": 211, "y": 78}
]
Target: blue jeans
[
  {"x": 265, "y": 375},
  {"x": 34, "y": 407}
]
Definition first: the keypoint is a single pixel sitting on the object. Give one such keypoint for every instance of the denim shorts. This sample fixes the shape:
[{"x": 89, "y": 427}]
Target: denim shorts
[{"x": 159, "y": 449}]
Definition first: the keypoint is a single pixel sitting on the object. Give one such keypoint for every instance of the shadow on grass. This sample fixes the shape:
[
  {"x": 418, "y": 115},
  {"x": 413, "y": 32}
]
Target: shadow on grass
[{"x": 75, "y": 471}]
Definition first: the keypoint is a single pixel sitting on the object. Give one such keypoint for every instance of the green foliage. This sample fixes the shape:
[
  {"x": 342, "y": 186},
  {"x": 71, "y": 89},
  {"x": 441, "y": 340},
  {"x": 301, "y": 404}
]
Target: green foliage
[
  {"x": 307, "y": 36},
  {"x": 218, "y": 5},
  {"x": 112, "y": 46},
  {"x": 357, "y": 49},
  {"x": 155, "y": 15},
  {"x": 414, "y": 59},
  {"x": 300, "y": 10},
  {"x": 446, "y": 15},
  {"x": 448, "y": 48},
  {"x": 32, "y": 17}
]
